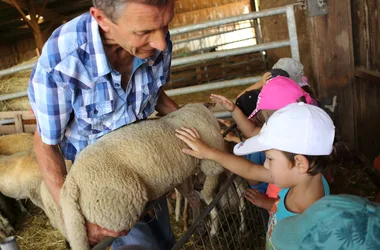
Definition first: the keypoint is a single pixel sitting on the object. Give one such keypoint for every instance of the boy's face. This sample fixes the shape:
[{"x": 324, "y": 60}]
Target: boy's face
[{"x": 281, "y": 169}]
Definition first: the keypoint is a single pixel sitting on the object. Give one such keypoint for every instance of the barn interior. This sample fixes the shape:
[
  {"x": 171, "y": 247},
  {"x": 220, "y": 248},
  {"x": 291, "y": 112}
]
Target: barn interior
[{"x": 222, "y": 47}]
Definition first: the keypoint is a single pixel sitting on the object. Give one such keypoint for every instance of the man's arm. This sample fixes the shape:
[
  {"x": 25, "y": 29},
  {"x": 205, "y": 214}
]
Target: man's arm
[
  {"x": 52, "y": 166},
  {"x": 165, "y": 105}
]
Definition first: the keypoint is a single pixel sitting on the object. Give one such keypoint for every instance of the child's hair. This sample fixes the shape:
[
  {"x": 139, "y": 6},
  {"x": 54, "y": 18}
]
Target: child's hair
[
  {"x": 278, "y": 72},
  {"x": 263, "y": 115},
  {"x": 318, "y": 164},
  {"x": 308, "y": 89}
]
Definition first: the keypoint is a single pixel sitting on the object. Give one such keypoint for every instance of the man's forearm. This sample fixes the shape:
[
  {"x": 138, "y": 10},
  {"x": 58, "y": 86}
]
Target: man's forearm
[
  {"x": 52, "y": 166},
  {"x": 165, "y": 104}
]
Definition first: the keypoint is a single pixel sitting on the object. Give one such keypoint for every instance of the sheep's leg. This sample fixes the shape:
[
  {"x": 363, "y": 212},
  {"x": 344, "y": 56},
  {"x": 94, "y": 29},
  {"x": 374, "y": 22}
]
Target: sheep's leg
[
  {"x": 208, "y": 194},
  {"x": 178, "y": 200},
  {"x": 170, "y": 206},
  {"x": 187, "y": 190},
  {"x": 23, "y": 208},
  {"x": 186, "y": 215},
  {"x": 5, "y": 227},
  {"x": 240, "y": 191}
]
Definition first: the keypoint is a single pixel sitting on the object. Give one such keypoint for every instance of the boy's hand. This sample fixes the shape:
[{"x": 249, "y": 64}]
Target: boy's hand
[
  {"x": 226, "y": 103},
  {"x": 255, "y": 197},
  {"x": 191, "y": 137},
  {"x": 265, "y": 78}
]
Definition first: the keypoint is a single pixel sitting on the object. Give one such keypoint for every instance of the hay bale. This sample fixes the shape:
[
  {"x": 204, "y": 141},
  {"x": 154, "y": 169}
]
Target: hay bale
[{"x": 11, "y": 84}]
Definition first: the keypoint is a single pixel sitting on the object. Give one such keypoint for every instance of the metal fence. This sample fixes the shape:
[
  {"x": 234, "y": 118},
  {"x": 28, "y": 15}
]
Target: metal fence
[
  {"x": 292, "y": 42},
  {"x": 237, "y": 224}
]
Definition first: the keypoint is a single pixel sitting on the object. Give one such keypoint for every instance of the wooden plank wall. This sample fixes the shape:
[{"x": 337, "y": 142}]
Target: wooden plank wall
[
  {"x": 366, "y": 34},
  {"x": 198, "y": 11},
  {"x": 332, "y": 57}
]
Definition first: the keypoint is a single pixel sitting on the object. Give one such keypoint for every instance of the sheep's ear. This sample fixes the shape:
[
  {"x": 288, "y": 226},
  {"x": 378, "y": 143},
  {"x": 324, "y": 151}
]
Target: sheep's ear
[{"x": 209, "y": 105}]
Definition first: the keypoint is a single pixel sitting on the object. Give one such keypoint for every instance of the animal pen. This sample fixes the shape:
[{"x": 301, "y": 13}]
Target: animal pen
[
  {"x": 232, "y": 52},
  {"x": 198, "y": 57}
]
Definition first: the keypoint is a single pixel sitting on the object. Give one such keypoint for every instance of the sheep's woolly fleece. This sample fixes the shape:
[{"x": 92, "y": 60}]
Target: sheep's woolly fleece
[{"x": 112, "y": 180}]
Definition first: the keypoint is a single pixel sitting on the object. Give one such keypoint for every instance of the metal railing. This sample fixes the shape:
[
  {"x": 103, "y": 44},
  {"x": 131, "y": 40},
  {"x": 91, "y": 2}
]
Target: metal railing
[{"x": 237, "y": 223}]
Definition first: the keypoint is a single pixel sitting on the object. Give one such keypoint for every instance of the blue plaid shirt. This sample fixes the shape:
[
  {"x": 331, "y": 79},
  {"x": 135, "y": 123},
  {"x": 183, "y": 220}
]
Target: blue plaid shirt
[{"x": 77, "y": 96}]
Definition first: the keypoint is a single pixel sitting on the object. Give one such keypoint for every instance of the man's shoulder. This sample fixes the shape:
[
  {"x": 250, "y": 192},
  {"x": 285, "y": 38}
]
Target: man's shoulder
[{"x": 66, "y": 40}]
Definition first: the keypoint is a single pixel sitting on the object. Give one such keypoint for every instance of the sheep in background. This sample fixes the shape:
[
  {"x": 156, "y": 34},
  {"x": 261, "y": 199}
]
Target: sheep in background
[
  {"x": 21, "y": 178},
  {"x": 15, "y": 143}
]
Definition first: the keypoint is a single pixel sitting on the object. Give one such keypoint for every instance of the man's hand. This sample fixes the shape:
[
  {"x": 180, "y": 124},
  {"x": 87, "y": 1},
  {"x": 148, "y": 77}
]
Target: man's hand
[
  {"x": 96, "y": 233},
  {"x": 226, "y": 103},
  {"x": 191, "y": 137}
]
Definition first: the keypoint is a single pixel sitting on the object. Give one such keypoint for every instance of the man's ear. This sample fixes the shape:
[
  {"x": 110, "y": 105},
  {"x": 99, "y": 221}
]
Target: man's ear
[
  {"x": 301, "y": 163},
  {"x": 103, "y": 21}
]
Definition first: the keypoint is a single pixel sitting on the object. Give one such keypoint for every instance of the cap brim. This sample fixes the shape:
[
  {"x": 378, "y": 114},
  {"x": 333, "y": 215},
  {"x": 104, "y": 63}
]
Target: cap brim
[{"x": 251, "y": 145}]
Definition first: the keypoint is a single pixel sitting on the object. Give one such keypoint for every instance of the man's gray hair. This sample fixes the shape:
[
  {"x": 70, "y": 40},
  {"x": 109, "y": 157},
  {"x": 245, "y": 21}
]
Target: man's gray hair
[{"x": 112, "y": 8}]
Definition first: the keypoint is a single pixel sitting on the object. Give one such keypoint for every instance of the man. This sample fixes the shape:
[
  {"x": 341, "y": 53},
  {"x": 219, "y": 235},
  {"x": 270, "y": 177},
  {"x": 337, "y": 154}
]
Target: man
[{"x": 98, "y": 72}]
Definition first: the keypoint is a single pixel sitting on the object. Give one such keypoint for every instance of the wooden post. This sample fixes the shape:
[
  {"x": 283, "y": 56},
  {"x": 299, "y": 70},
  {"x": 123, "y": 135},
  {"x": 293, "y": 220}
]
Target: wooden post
[
  {"x": 32, "y": 22},
  {"x": 333, "y": 61},
  {"x": 19, "y": 126}
]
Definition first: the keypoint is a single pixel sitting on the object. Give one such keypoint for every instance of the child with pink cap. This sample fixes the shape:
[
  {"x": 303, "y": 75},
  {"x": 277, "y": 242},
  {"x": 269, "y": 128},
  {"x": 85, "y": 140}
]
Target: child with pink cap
[{"x": 275, "y": 94}]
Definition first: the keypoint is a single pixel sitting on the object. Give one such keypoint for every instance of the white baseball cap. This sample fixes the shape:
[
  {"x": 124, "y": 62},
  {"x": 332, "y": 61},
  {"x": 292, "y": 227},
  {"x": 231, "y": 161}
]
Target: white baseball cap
[
  {"x": 297, "y": 128},
  {"x": 292, "y": 66}
]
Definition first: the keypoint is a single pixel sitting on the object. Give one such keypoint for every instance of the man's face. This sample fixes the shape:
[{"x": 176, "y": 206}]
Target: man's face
[{"x": 141, "y": 29}]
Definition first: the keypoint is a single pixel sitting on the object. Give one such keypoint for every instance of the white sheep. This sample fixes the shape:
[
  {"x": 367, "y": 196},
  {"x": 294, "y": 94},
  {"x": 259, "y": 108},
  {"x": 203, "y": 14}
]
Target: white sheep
[
  {"x": 21, "y": 178},
  {"x": 112, "y": 180},
  {"x": 15, "y": 143}
]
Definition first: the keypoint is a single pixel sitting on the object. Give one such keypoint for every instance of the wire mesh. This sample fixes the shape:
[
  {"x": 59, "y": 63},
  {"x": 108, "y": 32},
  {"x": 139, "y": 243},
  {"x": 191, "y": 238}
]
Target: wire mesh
[{"x": 228, "y": 222}]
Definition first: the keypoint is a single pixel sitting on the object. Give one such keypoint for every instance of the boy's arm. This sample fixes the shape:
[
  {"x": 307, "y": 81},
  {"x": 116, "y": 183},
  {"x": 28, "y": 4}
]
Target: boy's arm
[
  {"x": 257, "y": 85},
  {"x": 247, "y": 127},
  {"x": 235, "y": 164}
]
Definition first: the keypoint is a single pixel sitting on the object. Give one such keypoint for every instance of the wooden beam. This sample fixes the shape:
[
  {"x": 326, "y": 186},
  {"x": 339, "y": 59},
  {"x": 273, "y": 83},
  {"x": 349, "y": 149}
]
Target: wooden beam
[
  {"x": 26, "y": 115},
  {"x": 26, "y": 20},
  {"x": 368, "y": 75},
  {"x": 46, "y": 13},
  {"x": 19, "y": 127},
  {"x": 11, "y": 129}
]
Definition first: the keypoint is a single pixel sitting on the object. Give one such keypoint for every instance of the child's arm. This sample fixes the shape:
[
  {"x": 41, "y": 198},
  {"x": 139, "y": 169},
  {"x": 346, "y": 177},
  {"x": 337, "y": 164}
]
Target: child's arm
[
  {"x": 258, "y": 84},
  {"x": 247, "y": 127},
  {"x": 235, "y": 164}
]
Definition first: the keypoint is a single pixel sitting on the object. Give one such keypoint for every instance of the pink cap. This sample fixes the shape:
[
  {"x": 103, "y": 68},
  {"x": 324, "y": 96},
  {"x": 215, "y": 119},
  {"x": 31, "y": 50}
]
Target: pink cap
[{"x": 277, "y": 93}]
